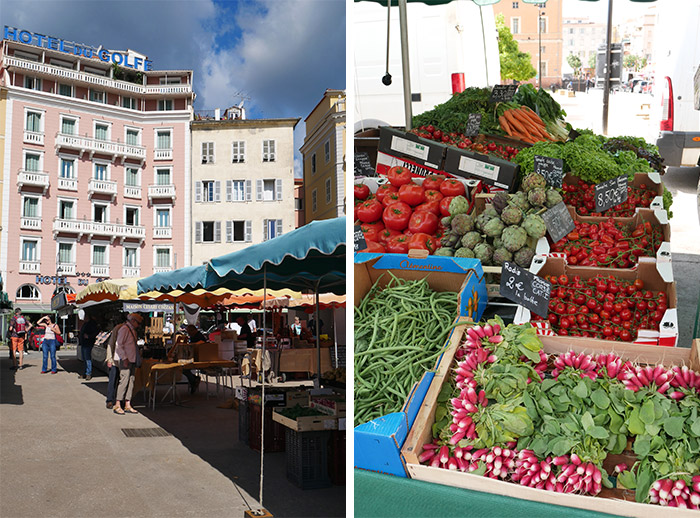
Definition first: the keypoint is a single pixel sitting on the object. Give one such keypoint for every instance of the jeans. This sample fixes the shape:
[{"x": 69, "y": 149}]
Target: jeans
[
  {"x": 87, "y": 358},
  {"x": 48, "y": 346},
  {"x": 112, "y": 385}
]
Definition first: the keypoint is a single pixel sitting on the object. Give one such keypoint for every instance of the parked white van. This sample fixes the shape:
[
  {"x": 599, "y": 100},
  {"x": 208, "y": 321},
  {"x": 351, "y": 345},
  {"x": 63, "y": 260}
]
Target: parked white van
[{"x": 442, "y": 40}]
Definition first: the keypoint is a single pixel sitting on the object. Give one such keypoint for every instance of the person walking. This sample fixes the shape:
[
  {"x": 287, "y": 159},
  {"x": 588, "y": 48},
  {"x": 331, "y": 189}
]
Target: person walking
[
  {"x": 88, "y": 333},
  {"x": 18, "y": 331},
  {"x": 48, "y": 346},
  {"x": 112, "y": 367},
  {"x": 126, "y": 354}
]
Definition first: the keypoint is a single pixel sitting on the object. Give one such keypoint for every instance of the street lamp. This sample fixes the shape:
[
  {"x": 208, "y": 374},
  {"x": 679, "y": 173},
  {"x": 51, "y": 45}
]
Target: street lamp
[{"x": 539, "y": 43}]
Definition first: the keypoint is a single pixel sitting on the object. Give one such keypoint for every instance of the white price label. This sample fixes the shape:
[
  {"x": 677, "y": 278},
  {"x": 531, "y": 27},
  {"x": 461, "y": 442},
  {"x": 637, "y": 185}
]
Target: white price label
[
  {"x": 478, "y": 168},
  {"x": 408, "y": 147}
]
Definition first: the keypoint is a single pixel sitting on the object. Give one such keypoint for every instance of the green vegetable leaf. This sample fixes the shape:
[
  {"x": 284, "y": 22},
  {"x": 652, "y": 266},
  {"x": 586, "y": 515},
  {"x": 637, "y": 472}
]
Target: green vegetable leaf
[
  {"x": 440, "y": 412},
  {"x": 644, "y": 481},
  {"x": 531, "y": 355},
  {"x": 627, "y": 480},
  {"x": 673, "y": 426},
  {"x": 587, "y": 421},
  {"x": 562, "y": 446},
  {"x": 600, "y": 399},
  {"x": 598, "y": 432},
  {"x": 547, "y": 384},
  {"x": 634, "y": 423},
  {"x": 646, "y": 413},
  {"x": 480, "y": 470},
  {"x": 652, "y": 429},
  {"x": 581, "y": 390},
  {"x": 642, "y": 445},
  {"x": 661, "y": 455},
  {"x": 695, "y": 428},
  {"x": 529, "y": 340},
  {"x": 445, "y": 393}
]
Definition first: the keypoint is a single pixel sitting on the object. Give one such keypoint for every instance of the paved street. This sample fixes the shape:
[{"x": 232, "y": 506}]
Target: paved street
[{"x": 65, "y": 455}]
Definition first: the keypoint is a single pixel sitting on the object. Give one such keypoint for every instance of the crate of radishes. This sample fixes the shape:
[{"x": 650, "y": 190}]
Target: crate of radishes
[{"x": 531, "y": 419}]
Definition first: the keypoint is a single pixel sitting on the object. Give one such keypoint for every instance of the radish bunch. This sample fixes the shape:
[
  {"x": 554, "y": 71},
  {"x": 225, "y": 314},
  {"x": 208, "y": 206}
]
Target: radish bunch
[
  {"x": 563, "y": 474},
  {"x": 580, "y": 362},
  {"x": 612, "y": 365},
  {"x": 642, "y": 377},
  {"x": 684, "y": 381},
  {"x": 676, "y": 493}
]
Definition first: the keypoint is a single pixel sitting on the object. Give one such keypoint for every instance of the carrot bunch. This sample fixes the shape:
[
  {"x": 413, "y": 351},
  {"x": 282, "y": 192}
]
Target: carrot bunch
[{"x": 524, "y": 124}]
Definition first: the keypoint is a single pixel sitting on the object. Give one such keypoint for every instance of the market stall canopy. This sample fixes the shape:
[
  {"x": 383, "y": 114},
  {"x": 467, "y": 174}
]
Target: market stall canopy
[
  {"x": 111, "y": 289},
  {"x": 308, "y": 302},
  {"x": 222, "y": 296}
]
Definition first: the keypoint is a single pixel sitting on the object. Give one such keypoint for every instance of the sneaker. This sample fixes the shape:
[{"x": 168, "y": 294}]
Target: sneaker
[
  {"x": 54, "y": 372},
  {"x": 81, "y": 376},
  {"x": 88, "y": 378},
  {"x": 44, "y": 372}
]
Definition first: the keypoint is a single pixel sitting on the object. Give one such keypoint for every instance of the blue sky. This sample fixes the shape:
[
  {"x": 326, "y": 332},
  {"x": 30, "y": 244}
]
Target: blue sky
[{"x": 281, "y": 55}]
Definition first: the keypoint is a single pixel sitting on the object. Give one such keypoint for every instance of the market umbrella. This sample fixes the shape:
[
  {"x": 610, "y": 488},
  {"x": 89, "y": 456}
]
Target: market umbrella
[{"x": 111, "y": 289}]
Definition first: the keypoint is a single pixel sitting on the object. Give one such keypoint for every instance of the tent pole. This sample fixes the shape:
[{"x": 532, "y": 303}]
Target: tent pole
[
  {"x": 317, "y": 382},
  {"x": 404, "y": 65},
  {"x": 608, "y": 63},
  {"x": 262, "y": 402}
]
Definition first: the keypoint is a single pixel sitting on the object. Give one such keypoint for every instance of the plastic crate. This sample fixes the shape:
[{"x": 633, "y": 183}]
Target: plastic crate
[
  {"x": 274, "y": 431},
  {"x": 336, "y": 458},
  {"x": 307, "y": 459},
  {"x": 243, "y": 421}
]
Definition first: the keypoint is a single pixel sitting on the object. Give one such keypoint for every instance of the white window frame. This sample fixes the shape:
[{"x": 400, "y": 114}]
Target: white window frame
[
  {"x": 64, "y": 156},
  {"x": 139, "y": 218},
  {"x": 278, "y": 228},
  {"x": 92, "y": 91},
  {"x": 313, "y": 163},
  {"x": 314, "y": 201},
  {"x": 156, "y": 208},
  {"x": 139, "y": 133},
  {"x": 327, "y": 150},
  {"x": 277, "y": 192},
  {"x": 70, "y": 87},
  {"x": 102, "y": 123},
  {"x": 137, "y": 249},
  {"x": 38, "y": 203},
  {"x": 106, "y": 163},
  {"x": 36, "y": 81},
  {"x": 512, "y": 25},
  {"x": 269, "y": 155},
  {"x": 169, "y": 248},
  {"x": 37, "y": 240},
  {"x": 162, "y": 130},
  {"x": 133, "y": 102},
  {"x": 42, "y": 118},
  {"x": 165, "y": 105},
  {"x": 199, "y": 191},
  {"x": 544, "y": 19},
  {"x": 238, "y": 152},
  {"x": 329, "y": 191},
  {"x": 105, "y": 204},
  {"x": 93, "y": 244},
  {"x": 199, "y": 231},
  {"x": 63, "y": 241},
  {"x": 36, "y": 289},
  {"x": 247, "y": 190},
  {"x": 26, "y": 152},
  {"x": 208, "y": 157},
  {"x": 544, "y": 69},
  {"x": 247, "y": 231},
  {"x": 74, "y": 118},
  {"x": 63, "y": 64},
  {"x": 170, "y": 80},
  {"x": 26, "y": 55},
  {"x": 170, "y": 174},
  {"x": 67, "y": 199},
  {"x": 138, "y": 175}
]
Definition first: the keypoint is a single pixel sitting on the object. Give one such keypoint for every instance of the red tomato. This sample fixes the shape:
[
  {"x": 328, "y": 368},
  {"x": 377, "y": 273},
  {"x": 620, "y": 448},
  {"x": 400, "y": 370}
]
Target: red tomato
[
  {"x": 429, "y": 206},
  {"x": 433, "y": 181},
  {"x": 412, "y": 193},
  {"x": 433, "y": 195},
  {"x": 361, "y": 191},
  {"x": 386, "y": 234},
  {"x": 357, "y": 206},
  {"x": 374, "y": 247},
  {"x": 422, "y": 241},
  {"x": 445, "y": 205},
  {"x": 452, "y": 187},
  {"x": 399, "y": 176},
  {"x": 385, "y": 189},
  {"x": 371, "y": 230},
  {"x": 423, "y": 222},
  {"x": 396, "y": 216},
  {"x": 390, "y": 198},
  {"x": 369, "y": 211},
  {"x": 398, "y": 244}
]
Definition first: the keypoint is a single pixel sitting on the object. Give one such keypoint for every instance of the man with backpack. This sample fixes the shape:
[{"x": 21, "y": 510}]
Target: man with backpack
[{"x": 18, "y": 331}]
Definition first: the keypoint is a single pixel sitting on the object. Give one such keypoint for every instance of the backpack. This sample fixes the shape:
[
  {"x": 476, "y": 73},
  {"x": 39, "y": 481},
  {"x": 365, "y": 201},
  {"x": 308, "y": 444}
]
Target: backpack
[{"x": 20, "y": 327}]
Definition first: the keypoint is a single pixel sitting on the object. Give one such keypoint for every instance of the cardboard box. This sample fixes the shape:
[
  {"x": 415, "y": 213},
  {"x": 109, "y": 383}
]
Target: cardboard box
[
  {"x": 421, "y": 434},
  {"x": 306, "y": 424},
  {"x": 651, "y": 180},
  {"x": 297, "y": 397},
  {"x": 421, "y": 156},
  {"x": 657, "y": 276},
  {"x": 329, "y": 405},
  {"x": 490, "y": 170},
  {"x": 227, "y": 334}
]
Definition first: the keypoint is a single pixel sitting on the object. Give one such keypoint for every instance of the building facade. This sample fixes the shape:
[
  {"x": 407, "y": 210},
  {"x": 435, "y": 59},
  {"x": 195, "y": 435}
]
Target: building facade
[
  {"x": 532, "y": 24},
  {"x": 323, "y": 156},
  {"x": 300, "y": 218},
  {"x": 96, "y": 168},
  {"x": 582, "y": 38},
  {"x": 242, "y": 182}
]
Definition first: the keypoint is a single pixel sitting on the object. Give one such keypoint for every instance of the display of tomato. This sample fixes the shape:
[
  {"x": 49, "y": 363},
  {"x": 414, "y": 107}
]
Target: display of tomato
[
  {"x": 357, "y": 206},
  {"x": 374, "y": 248},
  {"x": 398, "y": 244},
  {"x": 398, "y": 176},
  {"x": 371, "y": 230},
  {"x": 433, "y": 195},
  {"x": 452, "y": 187},
  {"x": 389, "y": 198},
  {"x": 384, "y": 189},
  {"x": 445, "y": 205},
  {"x": 433, "y": 181},
  {"x": 370, "y": 211},
  {"x": 361, "y": 191},
  {"x": 412, "y": 193},
  {"x": 386, "y": 234},
  {"x": 422, "y": 241},
  {"x": 429, "y": 206},
  {"x": 397, "y": 215},
  {"x": 582, "y": 196},
  {"x": 423, "y": 222}
]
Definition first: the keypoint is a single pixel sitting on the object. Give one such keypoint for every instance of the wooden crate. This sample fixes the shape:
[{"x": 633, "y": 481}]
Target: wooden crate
[
  {"x": 607, "y": 502},
  {"x": 307, "y": 424}
]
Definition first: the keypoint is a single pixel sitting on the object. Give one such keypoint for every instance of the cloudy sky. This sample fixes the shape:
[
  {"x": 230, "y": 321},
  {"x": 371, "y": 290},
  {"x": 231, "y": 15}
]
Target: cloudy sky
[{"x": 280, "y": 55}]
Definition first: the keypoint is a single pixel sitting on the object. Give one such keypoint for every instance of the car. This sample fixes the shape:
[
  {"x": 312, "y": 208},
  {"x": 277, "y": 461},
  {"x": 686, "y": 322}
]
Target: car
[{"x": 34, "y": 338}]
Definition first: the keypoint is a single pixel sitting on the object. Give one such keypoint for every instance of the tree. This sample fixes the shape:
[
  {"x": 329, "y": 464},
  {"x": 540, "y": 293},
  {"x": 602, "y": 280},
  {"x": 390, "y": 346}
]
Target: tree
[
  {"x": 514, "y": 64},
  {"x": 591, "y": 61},
  {"x": 574, "y": 62}
]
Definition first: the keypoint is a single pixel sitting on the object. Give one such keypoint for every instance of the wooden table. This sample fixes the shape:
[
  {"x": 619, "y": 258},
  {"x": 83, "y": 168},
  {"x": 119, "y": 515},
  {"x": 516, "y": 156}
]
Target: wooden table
[{"x": 304, "y": 360}]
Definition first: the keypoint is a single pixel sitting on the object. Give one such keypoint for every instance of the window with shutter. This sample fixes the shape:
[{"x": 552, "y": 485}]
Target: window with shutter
[
  {"x": 278, "y": 227},
  {"x": 229, "y": 190},
  {"x": 217, "y": 231},
  {"x": 328, "y": 191},
  {"x": 258, "y": 190},
  {"x": 248, "y": 231},
  {"x": 229, "y": 231},
  {"x": 313, "y": 201},
  {"x": 198, "y": 192},
  {"x": 248, "y": 190},
  {"x": 207, "y": 152},
  {"x": 327, "y": 150},
  {"x": 217, "y": 191},
  {"x": 278, "y": 189},
  {"x": 268, "y": 150},
  {"x": 313, "y": 163},
  {"x": 198, "y": 232},
  {"x": 238, "y": 152},
  {"x": 265, "y": 233}
]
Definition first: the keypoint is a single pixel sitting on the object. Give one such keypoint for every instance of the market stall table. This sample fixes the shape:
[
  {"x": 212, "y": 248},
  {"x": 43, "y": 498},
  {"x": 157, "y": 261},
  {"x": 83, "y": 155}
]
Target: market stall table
[{"x": 304, "y": 360}]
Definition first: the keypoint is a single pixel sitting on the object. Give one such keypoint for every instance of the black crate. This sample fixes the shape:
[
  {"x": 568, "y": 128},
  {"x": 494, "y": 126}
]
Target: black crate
[
  {"x": 307, "y": 459},
  {"x": 336, "y": 458},
  {"x": 243, "y": 421}
]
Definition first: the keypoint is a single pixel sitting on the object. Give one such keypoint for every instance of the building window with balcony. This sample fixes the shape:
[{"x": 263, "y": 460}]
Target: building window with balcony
[
  {"x": 238, "y": 152},
  {"x": 66, "y": 209},
  {"x": 163, "y": 217},
  {"x": 129, "y": 102},
  {"x": 313, "y": 163},
  {"x": 66, "y": 255},
  {"x": 515, "y": 25},
  {"x": 207, "y": 191},
  {"x": 272, "y": 228},
  {"x": 30, "y": 250},
  {"x": 99, "y": 213},
  {"x": 238, "y": 190},
  {"x": 67, "y": 168},
  {"x": 329, "y": 196},
  {"x": 133, "y": 137},
  {"x": 163, "y": 177},
  {"x": 165, "y": 105},
  {"x": 32, "y": 162},
  {"x": 34, "y": 122},
  {"x": 65, "y": 90},
  {"x": 68, "y": 126},
  {"x": 100, "y": 172},
  {"x": 327, "y": 150},
  {"x": 130, "y": 257},
  {"x": 239, "y": 231},
  {"x": 207, "y": 232},
  {"x": 314, "y": 202},
  {"x": 269, "y": 190},
  {"x": 30, "y": 207},
  {"x": 268, "y": 150},
  {"x": 97, "y": 96},
  {"x": 163, "y": 258},
  {"x": 132, "y": 177},
  {"x": 99, "y": 255},
  {"x": 29, "y": 292},
  {"x": 101, "y": 131},
  {"x": 163, "y": 140},
  {"x": 131, "y": 216},
  {"x": 33, "y": 83},
  {"x": 207, "y": 152}
]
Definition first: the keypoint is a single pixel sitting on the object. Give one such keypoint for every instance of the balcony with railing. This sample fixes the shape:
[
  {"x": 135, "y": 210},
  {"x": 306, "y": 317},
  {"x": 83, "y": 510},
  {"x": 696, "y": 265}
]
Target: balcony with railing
[
  {"x": 34, "y": 137},
  {"x": 29, "y": 266},
  {"x": 162, "y": 232},
  {"x": 68, "y": 184},
  {"x": 105, "y": 147},
  {"x": 33, "y": 179},
  {"x": 163, "y": 154},
  {"x": 161, "y": 269},
  {"x": 30, "y": 223},
  {"x": 96, "y": 228},
  {"x": 131, "y": 271},
  {"x": 132, "y": 191},
  {"x": 99, "y": 270},
  {"x": 108, "y": 187},
  {"x": 161, "y": 191},
  {"x": 65, "y": 269},
  {"x": 94, "y": 80}
]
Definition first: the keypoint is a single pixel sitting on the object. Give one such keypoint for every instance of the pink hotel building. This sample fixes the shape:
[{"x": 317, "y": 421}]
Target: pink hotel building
[{"x": 95, "y": 166}]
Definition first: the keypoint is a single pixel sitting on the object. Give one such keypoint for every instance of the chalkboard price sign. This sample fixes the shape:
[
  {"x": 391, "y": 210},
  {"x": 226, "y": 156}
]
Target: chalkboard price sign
[
  {"x": 525, "y": 288},
  {"x": 610, "y": 193},
  {"x": 360, "y": 243},
  {"x": 363, "y": 166},
  {"x": 573, "y": 134},
  {"x": 502, "y": 93},
  {"x": 559, "y": 221},
  {"x": 473, "y": 125},
  {"x": 551, "y": 168}
]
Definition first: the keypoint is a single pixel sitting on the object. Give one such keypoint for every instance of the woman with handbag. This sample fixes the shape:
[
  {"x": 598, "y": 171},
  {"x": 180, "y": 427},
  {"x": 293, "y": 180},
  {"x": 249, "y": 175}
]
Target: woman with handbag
[
  {"x": 126, "y": 355},
  {"x": 49, "y": 344}
]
